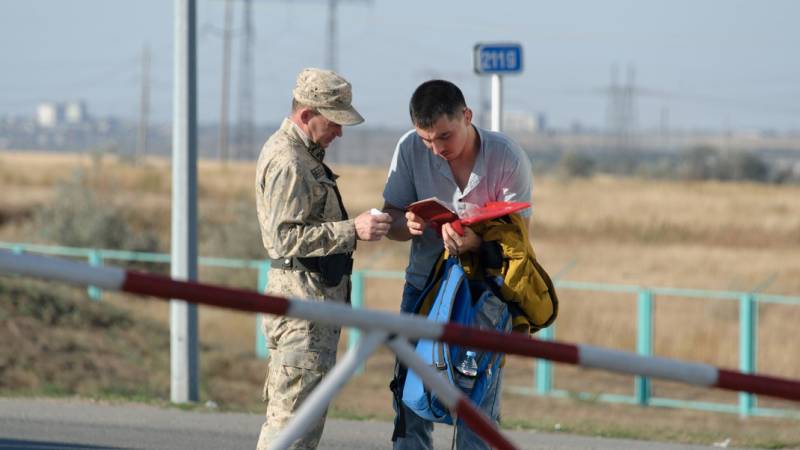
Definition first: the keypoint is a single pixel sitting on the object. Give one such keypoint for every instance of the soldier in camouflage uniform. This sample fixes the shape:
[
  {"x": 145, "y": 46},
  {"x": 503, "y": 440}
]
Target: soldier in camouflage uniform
[{"x": 310, "y": 240}]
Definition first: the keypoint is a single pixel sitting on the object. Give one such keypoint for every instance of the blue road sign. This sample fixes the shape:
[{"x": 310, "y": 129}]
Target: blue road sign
[{"x": 499, "y": 58}]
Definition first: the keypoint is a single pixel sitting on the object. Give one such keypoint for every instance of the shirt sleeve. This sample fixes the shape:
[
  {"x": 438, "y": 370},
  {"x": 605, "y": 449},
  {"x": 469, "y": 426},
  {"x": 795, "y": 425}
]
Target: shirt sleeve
[
  {"x": 291, "y": 195},
  {"x": 399, "y": 190},
  {"x": 517, "y": 184}
]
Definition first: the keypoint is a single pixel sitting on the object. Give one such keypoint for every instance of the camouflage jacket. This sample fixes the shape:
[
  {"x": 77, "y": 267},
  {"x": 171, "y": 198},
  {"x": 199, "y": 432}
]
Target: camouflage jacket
[{"x": 299, "y": 212}]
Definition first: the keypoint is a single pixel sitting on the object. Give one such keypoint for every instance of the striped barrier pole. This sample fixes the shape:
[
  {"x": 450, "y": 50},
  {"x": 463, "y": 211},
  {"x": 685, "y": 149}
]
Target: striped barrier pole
[
  {"x": 409, "y": 326},
  {"x": 166, "y": 288}
]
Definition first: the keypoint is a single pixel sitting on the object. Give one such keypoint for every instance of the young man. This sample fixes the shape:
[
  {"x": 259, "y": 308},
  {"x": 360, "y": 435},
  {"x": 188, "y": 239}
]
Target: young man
[
  {"x": 449, "y": 158},
  {"x": 310, "y": 240}
]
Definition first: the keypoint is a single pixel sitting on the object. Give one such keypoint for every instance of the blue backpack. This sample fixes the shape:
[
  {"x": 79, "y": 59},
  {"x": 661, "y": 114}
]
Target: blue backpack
[{"x": 466, "y": 302}]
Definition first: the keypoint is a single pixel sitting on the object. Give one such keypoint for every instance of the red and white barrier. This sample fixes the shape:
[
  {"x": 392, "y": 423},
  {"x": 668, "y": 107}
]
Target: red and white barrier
[
  {"x": 412, "y": 327},
  {"x": 167, "y": 288},
  {"x": 409, "y": 326}
]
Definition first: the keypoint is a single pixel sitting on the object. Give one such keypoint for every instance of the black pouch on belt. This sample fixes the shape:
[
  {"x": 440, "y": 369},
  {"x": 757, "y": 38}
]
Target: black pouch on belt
[{"x": 333, "y": 267}]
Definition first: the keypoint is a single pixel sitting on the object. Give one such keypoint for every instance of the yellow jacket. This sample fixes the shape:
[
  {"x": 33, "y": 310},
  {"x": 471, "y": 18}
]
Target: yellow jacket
[
  {"x": 526, "y": 286},
  {"x": 525, "y": 282}
]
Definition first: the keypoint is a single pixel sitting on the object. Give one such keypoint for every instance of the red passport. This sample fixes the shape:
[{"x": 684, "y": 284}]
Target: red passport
[
  {"x": 433, "y": 210},
  {"x": 438, "y": 212}
]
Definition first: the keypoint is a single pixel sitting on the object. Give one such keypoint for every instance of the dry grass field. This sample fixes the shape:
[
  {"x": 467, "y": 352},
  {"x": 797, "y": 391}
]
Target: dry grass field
[{"x": 717, "y": 236}]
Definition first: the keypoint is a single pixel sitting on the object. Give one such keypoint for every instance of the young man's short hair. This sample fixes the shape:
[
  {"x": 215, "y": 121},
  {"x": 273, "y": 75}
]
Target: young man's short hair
[{"x": 434, "y": 99}]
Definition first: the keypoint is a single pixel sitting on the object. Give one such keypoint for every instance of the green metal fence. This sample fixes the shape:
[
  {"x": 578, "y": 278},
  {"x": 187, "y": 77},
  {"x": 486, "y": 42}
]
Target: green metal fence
[{"x": 544, "y": 378}]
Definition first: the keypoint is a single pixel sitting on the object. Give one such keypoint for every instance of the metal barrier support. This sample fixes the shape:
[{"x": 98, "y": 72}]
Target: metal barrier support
[
  {"x": 748, "y": 313},
  {"x": 544, "y": 368},
  {"x": 261, "y": 340},
  {"x": 357, "y": 302},
  {"x": 95, "y": 260},
  {"x": 644, "y": 343}
]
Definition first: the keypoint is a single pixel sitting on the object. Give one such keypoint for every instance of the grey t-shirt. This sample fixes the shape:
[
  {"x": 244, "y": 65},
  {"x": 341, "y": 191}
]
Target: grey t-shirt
[{"x": 502, "y": 172}]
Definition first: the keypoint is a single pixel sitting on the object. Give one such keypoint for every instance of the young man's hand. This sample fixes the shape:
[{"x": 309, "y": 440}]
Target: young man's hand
[
  {"x": 457, "y": 244},
  {"x": 371, "y": 226},
  {"x": 415, "y": 224}
]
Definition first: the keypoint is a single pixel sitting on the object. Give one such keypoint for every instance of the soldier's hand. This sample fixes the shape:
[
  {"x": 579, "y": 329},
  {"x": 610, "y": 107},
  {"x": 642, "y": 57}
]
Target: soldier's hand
[
  {"x": 371, "y": 226},
  {"x": 415, "y": 224}
]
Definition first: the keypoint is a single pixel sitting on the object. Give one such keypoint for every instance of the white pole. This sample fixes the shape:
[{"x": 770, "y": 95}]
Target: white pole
[
  {"x": 497, "y": 102},
  {"x": 183, "y": 315},
  {"x": 110, "y": 278},
  {"x": 322, "y": 395}
]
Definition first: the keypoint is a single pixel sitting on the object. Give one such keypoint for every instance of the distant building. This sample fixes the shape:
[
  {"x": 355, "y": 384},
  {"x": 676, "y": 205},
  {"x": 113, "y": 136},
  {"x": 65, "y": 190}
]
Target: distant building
[
  {"x": 49, "y": 114},
  {"x": 54, "y": 114},
  {"x": 519, "y": 121},
  {"x": 524, "y": 121},
  {"x": 75, "y": 112},
  {"x": 541, "y": 122}
]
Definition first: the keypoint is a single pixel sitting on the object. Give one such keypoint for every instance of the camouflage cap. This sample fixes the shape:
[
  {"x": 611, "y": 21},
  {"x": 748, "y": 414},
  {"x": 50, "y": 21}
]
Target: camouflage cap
[{"x": 328, "y": 93}]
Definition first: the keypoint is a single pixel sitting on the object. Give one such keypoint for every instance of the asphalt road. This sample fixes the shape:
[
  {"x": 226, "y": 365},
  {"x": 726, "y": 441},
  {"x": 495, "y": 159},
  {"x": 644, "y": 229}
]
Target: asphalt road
[{"x": 50, "y": 424}]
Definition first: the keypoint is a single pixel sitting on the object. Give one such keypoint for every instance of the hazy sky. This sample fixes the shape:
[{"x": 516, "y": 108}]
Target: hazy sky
[{"x": 714, "y": 64}]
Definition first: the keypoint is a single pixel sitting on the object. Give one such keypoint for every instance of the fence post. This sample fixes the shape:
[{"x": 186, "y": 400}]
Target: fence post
[
  {"x": 748, "y": 312},
  {"x": 357, "y": 302},
  {"x": 644, "y": 342},
  {"x": 544, "y": 368},
  {"x": 261, "y": 341},
  {"x": 95, "y": 260}
]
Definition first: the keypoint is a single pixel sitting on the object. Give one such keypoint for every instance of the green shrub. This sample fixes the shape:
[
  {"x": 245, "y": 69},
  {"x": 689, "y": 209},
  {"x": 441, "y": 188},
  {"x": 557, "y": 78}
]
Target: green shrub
[
  {"x": 576, "y": 165},
  {"x": 233, "y": 233},
  {"x": 80, "y": 216}
]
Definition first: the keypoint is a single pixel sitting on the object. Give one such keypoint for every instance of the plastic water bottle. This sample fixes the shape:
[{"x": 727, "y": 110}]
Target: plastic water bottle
[{"x": 468, "y": 366}]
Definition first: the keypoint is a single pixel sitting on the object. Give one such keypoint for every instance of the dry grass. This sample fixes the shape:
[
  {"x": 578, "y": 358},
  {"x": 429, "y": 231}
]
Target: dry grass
[{"x": 732, "y": 236}]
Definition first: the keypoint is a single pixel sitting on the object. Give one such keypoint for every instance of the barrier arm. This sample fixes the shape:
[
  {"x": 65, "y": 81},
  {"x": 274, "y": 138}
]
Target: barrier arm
[
  {"x": 166, "y": 288},
  {"x": 408, "y": 326}
]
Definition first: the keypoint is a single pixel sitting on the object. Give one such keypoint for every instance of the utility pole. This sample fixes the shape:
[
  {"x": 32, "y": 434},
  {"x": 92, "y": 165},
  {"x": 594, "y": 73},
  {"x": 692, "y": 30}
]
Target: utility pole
[
  {"x": 246, "y": 91},
  {"x": 246, "y": 86},
  {"x": 332, "y": 62},
  {"x": 184, "y": 386},
  {"x": 226, "y": 83},
  {"x": 621, "y": 109},
  {"x": 144, "y": 106},
  {"x": 630, "y": 108},
  {"x": 331, "y": 56},
  {"x": 484, "y": 103},
  {"x": 664, "y": 127}
]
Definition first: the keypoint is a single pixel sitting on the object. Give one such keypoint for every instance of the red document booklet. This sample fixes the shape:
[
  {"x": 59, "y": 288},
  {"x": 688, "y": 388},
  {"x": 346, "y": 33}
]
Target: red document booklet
[
  {"x": 433, "y": 210},
  {"x": 438, "y": 212}
]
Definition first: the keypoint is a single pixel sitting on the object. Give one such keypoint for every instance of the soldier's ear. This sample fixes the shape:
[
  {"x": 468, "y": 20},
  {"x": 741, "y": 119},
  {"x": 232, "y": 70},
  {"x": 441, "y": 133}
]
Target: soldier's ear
[{"x": 306, "y": 114}]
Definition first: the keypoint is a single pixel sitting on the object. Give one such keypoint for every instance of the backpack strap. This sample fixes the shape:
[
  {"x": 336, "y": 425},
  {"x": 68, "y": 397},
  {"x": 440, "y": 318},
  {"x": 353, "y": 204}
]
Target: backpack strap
[
  {"x": 396, "y": 386},
  {"x": 438, "y": 358}
]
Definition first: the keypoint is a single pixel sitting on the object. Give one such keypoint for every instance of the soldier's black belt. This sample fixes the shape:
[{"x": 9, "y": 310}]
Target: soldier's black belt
[{"x": 332, "y": 267}]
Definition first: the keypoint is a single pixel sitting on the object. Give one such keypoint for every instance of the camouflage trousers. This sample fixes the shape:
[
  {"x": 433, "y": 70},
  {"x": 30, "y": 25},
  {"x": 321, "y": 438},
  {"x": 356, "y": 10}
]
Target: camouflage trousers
[{"x": 301, "y": 354}]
